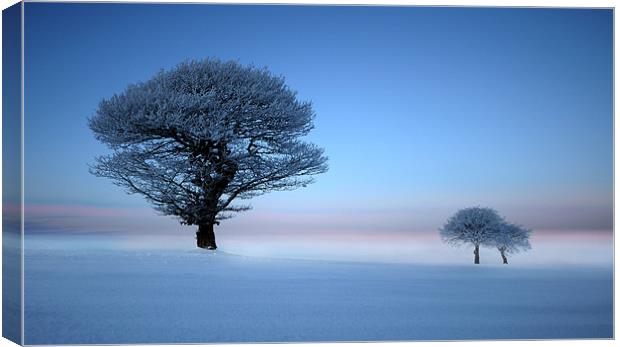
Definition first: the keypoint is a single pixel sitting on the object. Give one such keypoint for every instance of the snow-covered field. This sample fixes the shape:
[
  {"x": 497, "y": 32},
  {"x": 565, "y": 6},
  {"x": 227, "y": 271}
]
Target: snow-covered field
[{"x": 141, "y": 296}]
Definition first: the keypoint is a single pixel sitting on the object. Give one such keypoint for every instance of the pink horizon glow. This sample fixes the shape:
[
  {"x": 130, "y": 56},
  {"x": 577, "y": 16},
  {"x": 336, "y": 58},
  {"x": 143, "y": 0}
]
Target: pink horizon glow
[
  {"x": 289, "y": 225},
  {"x": 272, "y": 234}
]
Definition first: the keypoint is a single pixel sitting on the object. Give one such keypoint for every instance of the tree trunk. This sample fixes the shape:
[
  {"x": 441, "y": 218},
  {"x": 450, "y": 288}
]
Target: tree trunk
[
  {"x": 502, "y": 252},
  {"x": 477, "y": 255},
  {"x": 205, "y": 237}
]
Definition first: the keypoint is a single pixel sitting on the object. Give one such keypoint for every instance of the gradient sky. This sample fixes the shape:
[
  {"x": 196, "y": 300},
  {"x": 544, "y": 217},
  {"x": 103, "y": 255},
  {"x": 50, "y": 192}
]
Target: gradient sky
[{"x": 421, "y": 110}]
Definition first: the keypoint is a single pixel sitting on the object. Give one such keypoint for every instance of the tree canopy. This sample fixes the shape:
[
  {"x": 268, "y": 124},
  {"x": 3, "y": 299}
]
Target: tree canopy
[
  {"x": 511, "y": 238},
  {"x": 195, "y": 138},
  {"x": 475, "y": 225},
  {"x": 485, "y": 227}
]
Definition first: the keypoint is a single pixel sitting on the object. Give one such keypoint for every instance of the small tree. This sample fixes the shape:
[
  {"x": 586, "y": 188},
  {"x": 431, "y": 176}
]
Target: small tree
[
  {"x": 511, "y": 238},
  {"x": 474, "y": 225},
  {"x": 196, "y": 138}
]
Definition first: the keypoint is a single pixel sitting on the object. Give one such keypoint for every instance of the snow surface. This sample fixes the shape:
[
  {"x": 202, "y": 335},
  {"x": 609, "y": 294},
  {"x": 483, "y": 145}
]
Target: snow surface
[{"x": 140, "y": 296}]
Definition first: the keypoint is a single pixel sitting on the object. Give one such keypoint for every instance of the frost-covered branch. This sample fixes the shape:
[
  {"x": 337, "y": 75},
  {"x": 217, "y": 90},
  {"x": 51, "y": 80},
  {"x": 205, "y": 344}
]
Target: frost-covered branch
[
  {"x": 475, "y": 225},
  {"x": 512, "y": 238},
  {"x": 193, "y": 139}
]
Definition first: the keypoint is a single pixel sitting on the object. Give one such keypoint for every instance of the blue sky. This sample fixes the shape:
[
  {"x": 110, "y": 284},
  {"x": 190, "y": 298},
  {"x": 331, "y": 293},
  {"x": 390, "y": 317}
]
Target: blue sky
[{"x": 421, "y": 110}]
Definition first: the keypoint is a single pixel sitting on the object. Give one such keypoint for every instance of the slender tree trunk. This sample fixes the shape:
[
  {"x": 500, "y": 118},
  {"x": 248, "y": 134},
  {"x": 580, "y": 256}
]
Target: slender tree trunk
[
  {"x": 477, "y": 255},
  {"x": 503, "y": 253},
  {"x": 205, "y": 237}
]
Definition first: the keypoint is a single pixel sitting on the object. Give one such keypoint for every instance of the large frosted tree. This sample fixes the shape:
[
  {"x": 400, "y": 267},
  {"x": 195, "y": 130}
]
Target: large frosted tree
[
  {"x": 511, "y": 238},
  {"x": 474, "y": 225},
  {"x": 197, "y": 138}
]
